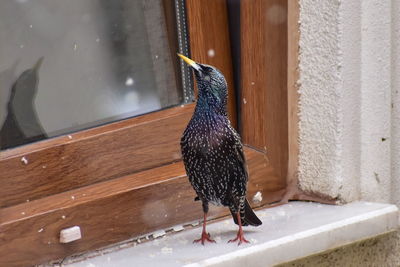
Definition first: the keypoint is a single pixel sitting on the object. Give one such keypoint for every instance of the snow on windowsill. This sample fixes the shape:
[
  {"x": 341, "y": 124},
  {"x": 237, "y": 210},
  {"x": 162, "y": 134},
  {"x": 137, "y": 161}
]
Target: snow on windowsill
[{"x": 289, "y": 232}]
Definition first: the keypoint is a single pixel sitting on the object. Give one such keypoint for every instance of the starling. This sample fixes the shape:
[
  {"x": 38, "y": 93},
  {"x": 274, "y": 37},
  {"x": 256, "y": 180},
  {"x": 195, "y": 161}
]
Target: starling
[{"x": 213, "y": 154}]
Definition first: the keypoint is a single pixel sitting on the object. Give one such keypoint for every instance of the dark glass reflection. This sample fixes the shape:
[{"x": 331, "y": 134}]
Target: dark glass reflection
[{"x": 70, "y": 65}]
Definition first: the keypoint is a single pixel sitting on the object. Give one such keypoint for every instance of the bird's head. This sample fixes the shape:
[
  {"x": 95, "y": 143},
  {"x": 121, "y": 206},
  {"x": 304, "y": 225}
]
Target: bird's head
[{"x": 210, "y": 82}]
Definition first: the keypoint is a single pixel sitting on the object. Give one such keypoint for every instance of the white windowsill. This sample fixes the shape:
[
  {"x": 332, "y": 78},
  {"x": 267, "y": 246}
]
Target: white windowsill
[{"x": 289, "y": 232}]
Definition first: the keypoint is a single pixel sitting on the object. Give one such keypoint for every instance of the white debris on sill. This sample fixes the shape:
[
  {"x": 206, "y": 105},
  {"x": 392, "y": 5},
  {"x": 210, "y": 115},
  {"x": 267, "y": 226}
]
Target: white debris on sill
[
  {"x": 195, "y": 223},
  {"x": 127, "y": 245},
  {"x": 24, "y": 160},
  {"x": 257, "y": 198},
  {"x": 178, "y": 228}
]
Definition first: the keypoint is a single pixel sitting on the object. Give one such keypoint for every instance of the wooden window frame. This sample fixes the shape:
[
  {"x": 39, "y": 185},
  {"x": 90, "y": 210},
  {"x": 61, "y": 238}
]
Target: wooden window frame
[{"x": 125, "y": 179}]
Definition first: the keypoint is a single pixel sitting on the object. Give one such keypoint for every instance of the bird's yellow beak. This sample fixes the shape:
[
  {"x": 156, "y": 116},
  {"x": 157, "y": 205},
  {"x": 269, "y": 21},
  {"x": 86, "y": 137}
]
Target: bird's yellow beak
[{"x": 190, "y": 62}]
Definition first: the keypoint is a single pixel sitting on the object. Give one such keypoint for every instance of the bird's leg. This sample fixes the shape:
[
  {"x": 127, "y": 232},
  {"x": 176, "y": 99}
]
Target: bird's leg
[
  {"x": 240, "y": 235},
  {"x": 204, "y": 235}
]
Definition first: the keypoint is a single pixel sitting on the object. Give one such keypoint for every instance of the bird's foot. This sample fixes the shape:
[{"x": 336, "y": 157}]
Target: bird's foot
[
  {"x": 240, "y": 238},
  {"x": 204, "y": 237}
]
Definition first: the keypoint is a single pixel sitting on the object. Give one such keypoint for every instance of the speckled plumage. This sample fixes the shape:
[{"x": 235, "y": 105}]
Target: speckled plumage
[{"x": 212, "y": 150}]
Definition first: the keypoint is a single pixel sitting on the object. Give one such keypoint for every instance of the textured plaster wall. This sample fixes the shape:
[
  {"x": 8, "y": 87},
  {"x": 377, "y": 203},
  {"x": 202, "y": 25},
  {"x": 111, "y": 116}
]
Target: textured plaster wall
[
  {"x": 347, "y": 67},
  {"x": 320, "y": 169},
  {"x": 395, "y": 129},
  {"x": 350, "y": 114}
]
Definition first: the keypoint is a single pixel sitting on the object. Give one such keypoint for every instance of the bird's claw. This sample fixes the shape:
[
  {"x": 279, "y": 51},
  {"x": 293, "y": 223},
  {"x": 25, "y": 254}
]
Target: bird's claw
[
  {"x": 204, "y": 237},
  {"x": 239, "y": 237}
]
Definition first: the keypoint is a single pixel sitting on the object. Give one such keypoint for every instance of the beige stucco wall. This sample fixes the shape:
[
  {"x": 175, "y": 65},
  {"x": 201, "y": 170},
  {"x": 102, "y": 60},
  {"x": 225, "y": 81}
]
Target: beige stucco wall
[{"x": 350, "y": 113}]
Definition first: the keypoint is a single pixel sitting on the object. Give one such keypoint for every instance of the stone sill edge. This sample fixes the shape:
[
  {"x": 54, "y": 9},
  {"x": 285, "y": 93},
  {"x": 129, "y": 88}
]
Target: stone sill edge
[{"x": 309, "y": 242}]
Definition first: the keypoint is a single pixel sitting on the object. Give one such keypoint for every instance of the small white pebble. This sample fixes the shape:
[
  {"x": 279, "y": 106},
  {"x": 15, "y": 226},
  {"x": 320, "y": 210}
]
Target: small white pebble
[
  {"x": 27, "y": 200},
  {"x": 23, "y": 213},
  {"x": 24, "y": 160},
  {"x": 182, "y": 106},
  {"x": 40, "y": 230},
  {"x": 44, "y": 167},
  {"x": 31, "y": 26},
  {"x": 124, "y": 245},
  {"x": 178, "y": 228},
  {"x": 159, "y": 233},
  {"x": 63, "y": 217},
  {"x": 156, "y": 56},
  {"x": 139, "y": 241},
  {"x": 69, "y": 136},
  {"x": 166, "y": 250},
  {"x": 244, "y": 101},
  {"x": 253, "y": 83},
  {"x": 166, "y": 215},
  {"x": 48, "y": 243},
  {"x": 211, "y": 52},
  {"x": 73, "y": 197},
  {"x": 257, "y": 198}
]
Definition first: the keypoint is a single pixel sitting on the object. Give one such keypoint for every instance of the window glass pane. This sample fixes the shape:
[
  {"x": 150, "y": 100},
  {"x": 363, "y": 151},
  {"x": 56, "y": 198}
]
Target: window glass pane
[{"x": 70, "y": 65}]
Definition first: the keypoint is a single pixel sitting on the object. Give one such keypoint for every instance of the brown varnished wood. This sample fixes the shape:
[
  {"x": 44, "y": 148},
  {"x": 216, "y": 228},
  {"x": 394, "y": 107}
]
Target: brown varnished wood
[
  {"x": 293, "y": 95},
  {"x": 91, "y": 156},
  {"x": 208, "y": 27},
  {"x": 264, "y": 105},
  {"x": 114, "y": 210}
]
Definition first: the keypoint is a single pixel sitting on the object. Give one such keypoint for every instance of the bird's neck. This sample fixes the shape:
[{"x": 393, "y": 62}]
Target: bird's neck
[{"x": 210, "y": 106}]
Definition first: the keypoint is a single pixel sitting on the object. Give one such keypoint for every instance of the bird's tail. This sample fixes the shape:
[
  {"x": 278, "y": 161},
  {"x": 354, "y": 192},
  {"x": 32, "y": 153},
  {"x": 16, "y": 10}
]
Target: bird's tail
[{"x": 247, "y": 216}]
